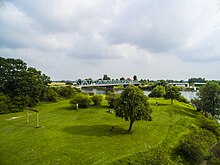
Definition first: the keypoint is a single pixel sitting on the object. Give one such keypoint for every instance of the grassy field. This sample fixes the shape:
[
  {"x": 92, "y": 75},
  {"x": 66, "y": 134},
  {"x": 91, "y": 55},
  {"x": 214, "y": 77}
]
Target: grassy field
[{"x": 82, "y": 136}]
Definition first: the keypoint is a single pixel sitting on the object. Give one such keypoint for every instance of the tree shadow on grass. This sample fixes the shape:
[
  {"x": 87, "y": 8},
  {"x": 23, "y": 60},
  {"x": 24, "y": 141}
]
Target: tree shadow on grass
[
  {"x": 66, "y": 108},
  {"x": 95, "y": 130}
]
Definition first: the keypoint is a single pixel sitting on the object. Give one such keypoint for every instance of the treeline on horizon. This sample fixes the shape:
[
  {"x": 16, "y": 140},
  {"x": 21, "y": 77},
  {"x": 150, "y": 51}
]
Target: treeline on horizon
[{"x": 22, "y": 86}]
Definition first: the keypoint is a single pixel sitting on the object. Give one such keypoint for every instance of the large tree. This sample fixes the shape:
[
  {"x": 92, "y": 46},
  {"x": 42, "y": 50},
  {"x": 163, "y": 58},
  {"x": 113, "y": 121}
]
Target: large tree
[
  {"x": 209, "y": 96},
  {"x": 22, "y": 85},
  {"x": 133, "y": 106},
  {"x": 172, "y": 93}
]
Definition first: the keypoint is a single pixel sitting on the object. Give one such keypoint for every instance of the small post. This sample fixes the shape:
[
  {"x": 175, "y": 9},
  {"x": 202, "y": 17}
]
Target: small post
[
  {"x": 37, "y": 120},
  {"x": 77, "y": 105},
  {"x": 27, "y": 116}
]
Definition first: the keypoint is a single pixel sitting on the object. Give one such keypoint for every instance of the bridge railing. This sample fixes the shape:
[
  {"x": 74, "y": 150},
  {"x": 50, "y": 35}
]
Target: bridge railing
[{"x": 103, "y": 82}]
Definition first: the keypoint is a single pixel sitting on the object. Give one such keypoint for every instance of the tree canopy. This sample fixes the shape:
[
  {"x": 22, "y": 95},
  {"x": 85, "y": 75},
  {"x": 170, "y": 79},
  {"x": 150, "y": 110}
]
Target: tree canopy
[
  {"x": 209, "y": 97},
  {"x": 133, "y": 106},
  {"x": 158, "y": 91},
  {"x": 21, "y": 85},
  {"x": 172, "y": 93}
]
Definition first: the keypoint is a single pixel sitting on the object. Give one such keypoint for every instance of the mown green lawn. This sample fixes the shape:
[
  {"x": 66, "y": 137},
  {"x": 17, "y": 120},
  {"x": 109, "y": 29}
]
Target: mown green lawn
[{"x": 82, "y": 136}]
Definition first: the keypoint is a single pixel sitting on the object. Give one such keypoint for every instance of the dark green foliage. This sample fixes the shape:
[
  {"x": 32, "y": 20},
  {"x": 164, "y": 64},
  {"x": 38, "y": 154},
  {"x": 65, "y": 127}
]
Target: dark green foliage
[
  {"x": 172, "y": 93},
  {"x": 69, "y": 83},
  {"x": 158, "y": 91},
  {"x": 210, "y": 125},
  {"x": 105, "y": 77},
  {"x": 67, "y": 92},
  {"x": 135, "y": 78},
  {"x": 111, "y": 97},
  {"x": 97, "y": 99},
  {"x": 196, "y": 80},
  {"x": 183, "y": 99},
  {"x": 209, "y": 95},
  {"x": 49, "y": 94},
  {"x": 133, "y": 105},
  {"x": 4, "y": 103},
  {"x": 197, "y": 103},
  {"x": 91, "y": 93},
  {"x": 22, "y": 85},
  {"x": 195, "y": 147},
  {"x": 83, "y": 100},
  {"x": 190, "y": 151}
]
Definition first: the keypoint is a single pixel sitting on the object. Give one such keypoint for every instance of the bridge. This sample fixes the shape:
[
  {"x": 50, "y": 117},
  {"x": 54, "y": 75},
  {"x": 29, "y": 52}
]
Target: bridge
[{"x": 109, "y": 84}]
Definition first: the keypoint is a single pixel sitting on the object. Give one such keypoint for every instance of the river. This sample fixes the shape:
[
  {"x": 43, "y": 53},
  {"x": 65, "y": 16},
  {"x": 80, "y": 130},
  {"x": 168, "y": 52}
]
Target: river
[{"x": 187, "y": 95}]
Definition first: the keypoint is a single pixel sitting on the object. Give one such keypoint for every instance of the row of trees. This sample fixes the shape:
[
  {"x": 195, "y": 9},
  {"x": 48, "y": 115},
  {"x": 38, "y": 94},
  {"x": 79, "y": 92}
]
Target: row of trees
[
  {"x": 22, "y": 86},
  {"x": 168, "y": 92},
  {"x": 132, "y": 105}
]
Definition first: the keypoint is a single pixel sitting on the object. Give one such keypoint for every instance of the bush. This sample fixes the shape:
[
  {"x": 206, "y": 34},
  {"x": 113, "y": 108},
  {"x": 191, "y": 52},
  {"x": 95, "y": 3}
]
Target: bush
[
  {"x": 158, "y": 91},
  {"x": 111, "y": 97},
  {"x": 183, "y": 99},
  {"x": 49, "y": 94},
  {"x": 209, "y": 124},
  {"x": 4, "y": 101},
  {"x": 91, "y": 93},
  {"x": 194, "y": 147},
  {"x": 82, "y": 100},
  {"x": 67, "y": 92},
  {"x": 97, "y": 99}
]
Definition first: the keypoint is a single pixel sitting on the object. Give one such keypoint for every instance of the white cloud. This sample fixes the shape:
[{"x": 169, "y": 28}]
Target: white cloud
[{"x": 115, "y": 37}]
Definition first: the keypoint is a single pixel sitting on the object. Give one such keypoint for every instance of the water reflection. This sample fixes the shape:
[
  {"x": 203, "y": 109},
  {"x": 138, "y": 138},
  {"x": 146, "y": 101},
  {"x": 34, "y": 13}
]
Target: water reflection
[{"x": 187, "y": 95}]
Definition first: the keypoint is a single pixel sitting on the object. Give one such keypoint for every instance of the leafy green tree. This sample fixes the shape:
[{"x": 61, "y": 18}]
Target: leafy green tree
[
  {"x": 122, "y": 78},
  {"x": 135, "y": 78},
  {"x": 133, "y": 106},
  {"x": 209, "y": 95},
  {"x": 172, "y": 93},
  {"x": 83, "y": 101},
  {"x": 158, "y": 91},
  {"x": 97, "y": 99},
  {"x": 21, "y": 84},
  {"x": 105, "y": 77},
  {"x": 111, "y": 97}
]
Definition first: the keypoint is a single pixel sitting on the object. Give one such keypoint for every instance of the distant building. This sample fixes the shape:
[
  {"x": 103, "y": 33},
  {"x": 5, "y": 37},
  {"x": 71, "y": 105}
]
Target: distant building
[{"x": 185, "y": 85}]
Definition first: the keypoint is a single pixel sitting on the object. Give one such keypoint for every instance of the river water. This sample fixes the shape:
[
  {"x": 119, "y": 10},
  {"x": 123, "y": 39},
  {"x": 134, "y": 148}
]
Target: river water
[{"x": 187, "y": 95}]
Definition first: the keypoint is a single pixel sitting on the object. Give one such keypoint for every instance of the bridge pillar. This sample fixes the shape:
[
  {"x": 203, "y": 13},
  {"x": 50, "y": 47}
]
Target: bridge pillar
[{"x": 109, "y": 89}]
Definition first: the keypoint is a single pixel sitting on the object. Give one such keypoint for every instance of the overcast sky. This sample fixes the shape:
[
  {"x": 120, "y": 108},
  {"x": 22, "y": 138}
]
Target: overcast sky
[{"x": 153, "y": 39}]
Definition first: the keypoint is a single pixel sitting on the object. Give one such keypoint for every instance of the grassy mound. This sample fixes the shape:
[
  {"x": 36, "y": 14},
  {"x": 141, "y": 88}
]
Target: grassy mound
[{"x": 82, "y": 136}]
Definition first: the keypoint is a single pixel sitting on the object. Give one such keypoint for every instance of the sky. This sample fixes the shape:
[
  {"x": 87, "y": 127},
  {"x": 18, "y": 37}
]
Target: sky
[{"x": 153, "y": 39}]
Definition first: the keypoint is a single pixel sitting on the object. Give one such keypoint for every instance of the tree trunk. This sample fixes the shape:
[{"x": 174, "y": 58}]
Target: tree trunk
[
  {"x": 131, "y": 123},
  {"x": 171, "y": 101}
]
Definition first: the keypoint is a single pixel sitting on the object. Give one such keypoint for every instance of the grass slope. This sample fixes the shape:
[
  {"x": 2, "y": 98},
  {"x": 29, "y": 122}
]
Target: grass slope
[{"x": 82, "y": 136}]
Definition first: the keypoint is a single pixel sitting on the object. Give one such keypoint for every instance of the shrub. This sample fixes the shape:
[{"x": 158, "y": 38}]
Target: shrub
[
  {"x": 49, "y": 94},
  {"x": 183, "y": 99},
  {"x": 158, "y": 91},
  {"x": 97, "y": 99},
  {"x": 209, "y": 124},
  {"x": 190, "y": 151},
  {"x": 194, "y": 147},
  {"x": 111, "y": 97},
  {"x": 91, "y": 93},
  {"x": 4, "y": 101},
  {"x": 68, "y": 92},
  {"x": 82, "y": 100}
]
